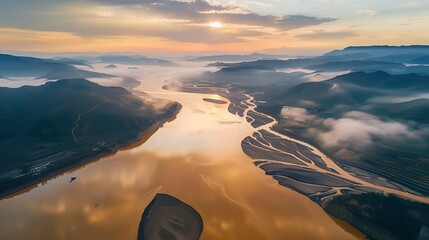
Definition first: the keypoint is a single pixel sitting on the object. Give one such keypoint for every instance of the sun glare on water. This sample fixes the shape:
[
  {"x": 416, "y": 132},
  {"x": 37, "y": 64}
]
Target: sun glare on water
[{"x": 215, "y": 24}]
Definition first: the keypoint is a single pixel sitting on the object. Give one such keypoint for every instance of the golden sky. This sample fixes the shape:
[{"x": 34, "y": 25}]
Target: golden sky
[{"x": 172, "y": 26}]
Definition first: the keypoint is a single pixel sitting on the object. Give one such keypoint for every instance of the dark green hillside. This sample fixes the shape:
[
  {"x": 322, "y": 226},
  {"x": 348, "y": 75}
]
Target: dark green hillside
[
  {"x": 421, "y": 60},
  {"x": 382, "y": 80},
  {"x": 415, "y": 110},
  {"x": 356, "y": 65},
  {"x": 353, "y": 89},
  {"x": 60, "y": 124},
  {"x": 15, "y": 66},
  {"x": 381, "y": 217},
  {"x": 380, "y": 51},
  {"x": 72, "y": 72}
]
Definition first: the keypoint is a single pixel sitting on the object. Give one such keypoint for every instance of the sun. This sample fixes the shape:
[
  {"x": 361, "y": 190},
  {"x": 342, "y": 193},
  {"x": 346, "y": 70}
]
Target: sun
[{"x": 215, "y": 25}]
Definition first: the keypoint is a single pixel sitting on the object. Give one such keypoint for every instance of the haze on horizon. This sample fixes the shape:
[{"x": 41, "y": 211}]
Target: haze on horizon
[{"x": 182, "y": 27}]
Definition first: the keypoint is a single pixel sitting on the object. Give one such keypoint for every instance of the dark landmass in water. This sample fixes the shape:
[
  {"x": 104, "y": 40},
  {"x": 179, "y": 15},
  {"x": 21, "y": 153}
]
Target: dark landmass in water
[
  {"x": 111, "y": 66},
  {"x": 48, "y": 129},
  {"x": 216, "y": 101},
  {"x": 381, "y": 217},
  {"x": 167, "y": 217}
]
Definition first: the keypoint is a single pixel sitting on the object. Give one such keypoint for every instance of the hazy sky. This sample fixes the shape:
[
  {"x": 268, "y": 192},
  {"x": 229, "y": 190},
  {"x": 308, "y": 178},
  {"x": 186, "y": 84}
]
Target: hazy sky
[{"x": 213, "y": 26}]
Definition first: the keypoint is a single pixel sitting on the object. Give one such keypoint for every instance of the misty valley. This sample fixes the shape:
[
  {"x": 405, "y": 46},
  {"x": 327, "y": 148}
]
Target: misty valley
[{"x": 216, "y": 147}]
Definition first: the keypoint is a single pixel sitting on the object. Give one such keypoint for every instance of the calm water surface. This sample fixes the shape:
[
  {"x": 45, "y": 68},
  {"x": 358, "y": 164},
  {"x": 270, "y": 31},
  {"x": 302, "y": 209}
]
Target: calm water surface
[{"x": 196, "y": 158}]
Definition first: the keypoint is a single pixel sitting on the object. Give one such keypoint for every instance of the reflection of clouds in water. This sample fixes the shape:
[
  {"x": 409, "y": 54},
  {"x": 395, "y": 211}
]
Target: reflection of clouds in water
[
  {"x": 58, "y": 208},
  {"x": 198, "y": 111},
  {"x": 229, "y": 122}
]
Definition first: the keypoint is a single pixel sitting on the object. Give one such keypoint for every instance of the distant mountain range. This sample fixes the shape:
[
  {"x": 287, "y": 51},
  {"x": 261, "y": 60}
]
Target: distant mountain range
[
  {"x": 74, "y": 62},
  {"x": 49, "y": 128},
  {"x": 233, "y": 58},
  {"x": 127, "y": 59},
  {"x": 352, "y": 91},
  {"x": 72, "y": 72},
  {"x": 16, "y": 66},
  {"x": 402, "y": 54},
  {"x": 359, "y": 65},
  {"x": 394, "y": 60},
  {"x": 382, "y": 50},
  {"x": 61, "y": 68}
]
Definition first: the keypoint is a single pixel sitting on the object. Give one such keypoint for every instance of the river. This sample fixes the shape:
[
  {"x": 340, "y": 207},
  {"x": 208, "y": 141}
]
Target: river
[{"x": 197, "y": 158}]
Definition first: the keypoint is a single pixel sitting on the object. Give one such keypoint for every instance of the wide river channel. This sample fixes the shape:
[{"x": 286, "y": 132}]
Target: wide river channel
[{"x": 197, "y": 158}]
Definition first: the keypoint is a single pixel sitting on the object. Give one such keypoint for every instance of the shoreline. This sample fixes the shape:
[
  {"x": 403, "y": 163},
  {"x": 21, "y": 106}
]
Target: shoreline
[
  {"x": 131, "y": 143},
  {"x": 306, "y": 168},
  {"x": 241, "y": 104}
]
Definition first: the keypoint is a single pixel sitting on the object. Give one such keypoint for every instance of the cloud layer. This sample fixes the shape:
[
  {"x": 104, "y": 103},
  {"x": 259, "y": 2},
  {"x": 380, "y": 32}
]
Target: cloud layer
[
  {"x": 309, "y": 27},
  {"x": 357, "y": 129},
  {"x": 203, "y": 11},
  {"x": 185, "y": 21}
]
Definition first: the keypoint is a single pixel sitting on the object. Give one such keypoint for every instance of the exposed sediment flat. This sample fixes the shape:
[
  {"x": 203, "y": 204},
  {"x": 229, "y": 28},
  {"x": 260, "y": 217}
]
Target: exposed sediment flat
[
  {"x": 295, "y": 163},
  {"x": 216, "y": 101},
  {"x": 259, "y": 119}
]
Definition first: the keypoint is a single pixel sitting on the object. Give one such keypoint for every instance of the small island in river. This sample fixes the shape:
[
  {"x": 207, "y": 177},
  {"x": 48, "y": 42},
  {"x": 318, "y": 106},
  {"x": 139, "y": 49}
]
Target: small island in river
[
  {"x": 167, "y": 217},
  {"x": 216, "y": 101}
]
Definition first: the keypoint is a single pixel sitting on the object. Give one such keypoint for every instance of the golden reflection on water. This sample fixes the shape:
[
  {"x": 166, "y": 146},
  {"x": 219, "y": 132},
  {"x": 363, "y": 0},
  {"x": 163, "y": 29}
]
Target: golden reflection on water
[{"x": 196, "y": 158}]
